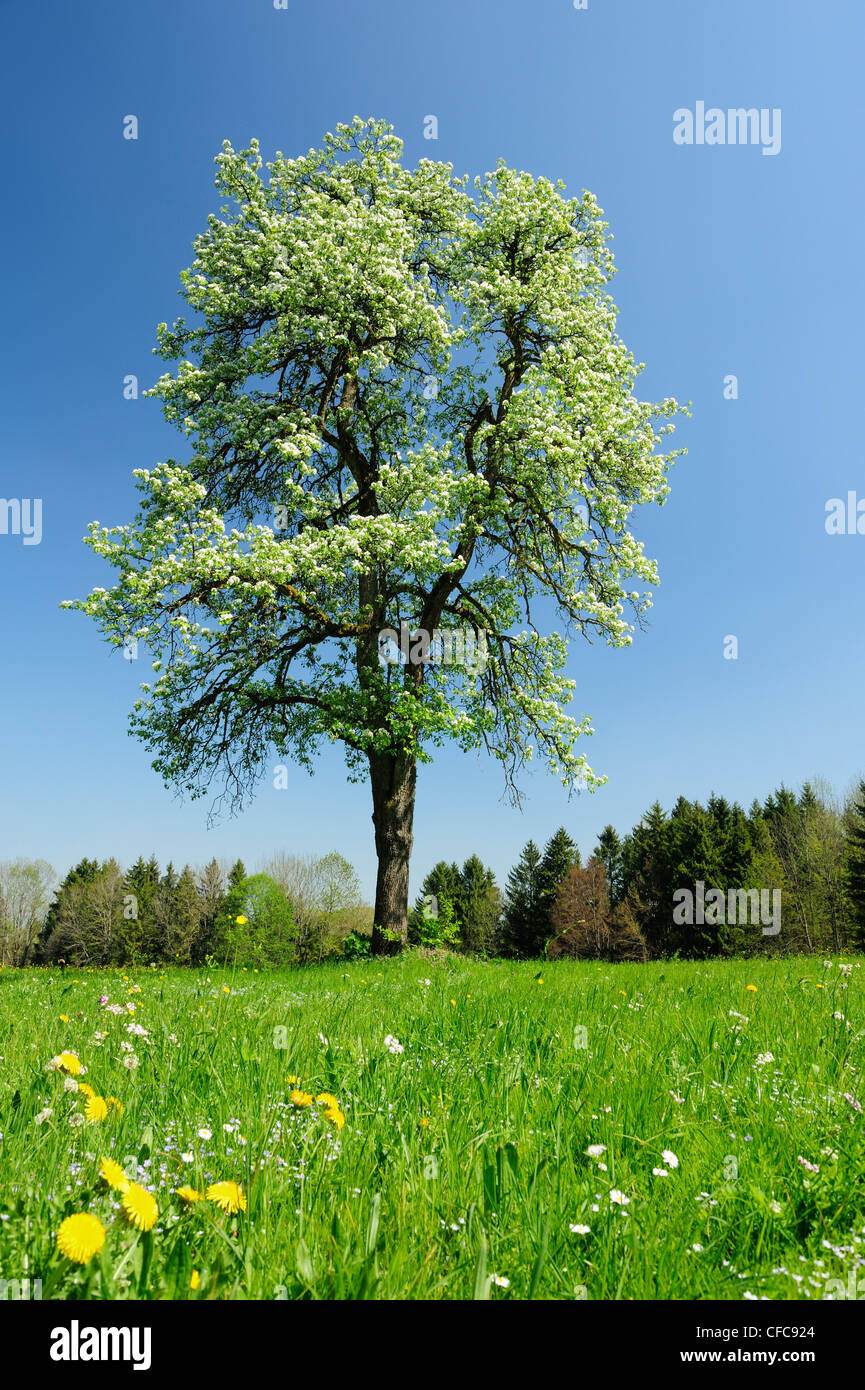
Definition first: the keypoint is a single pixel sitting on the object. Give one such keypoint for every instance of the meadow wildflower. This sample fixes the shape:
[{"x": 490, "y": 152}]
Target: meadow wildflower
[
  {"x": 227, "y": 1195},
  {"x": 393, "y": 1044},
  {"x": 195, "y": 1279},
  {"x": 581, "y": 1230},
  {"x": 669, "y": 1158},
  {"x": 335, "y": 1116},
  {"x": 619, "y": 1199},
  {"x": 96, "y": 1110},
  {"x": 111, "y": 1172},
  {"x": 140, "y": 1207},
  {"x": 301, "y": 1099},
  {"x": 189, "y": 1195},
  {"x": 80, "y": 1237}
]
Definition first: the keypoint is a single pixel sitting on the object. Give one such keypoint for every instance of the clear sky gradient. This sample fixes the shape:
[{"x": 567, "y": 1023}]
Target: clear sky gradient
[{"x": 730, "y": 261}]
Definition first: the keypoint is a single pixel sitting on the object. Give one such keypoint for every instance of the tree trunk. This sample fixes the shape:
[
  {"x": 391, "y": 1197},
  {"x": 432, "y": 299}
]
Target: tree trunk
[{"x": 393, "y": 790}]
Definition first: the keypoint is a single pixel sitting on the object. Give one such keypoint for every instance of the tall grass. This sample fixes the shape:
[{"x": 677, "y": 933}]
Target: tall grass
[{"x": 462, "y": 1165}]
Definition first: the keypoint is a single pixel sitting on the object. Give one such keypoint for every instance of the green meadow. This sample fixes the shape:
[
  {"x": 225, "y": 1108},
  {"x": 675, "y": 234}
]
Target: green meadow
[{"x": 663, "y": 1131}]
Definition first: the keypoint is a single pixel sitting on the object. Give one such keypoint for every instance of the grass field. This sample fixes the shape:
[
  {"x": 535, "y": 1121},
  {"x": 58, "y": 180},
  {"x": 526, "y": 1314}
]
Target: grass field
[{"x": 461, "y": 1169}]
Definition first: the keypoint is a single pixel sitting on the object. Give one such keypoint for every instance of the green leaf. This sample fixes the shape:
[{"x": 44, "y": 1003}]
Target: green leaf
[
  {"x": 372, "y": 1227},
  {"x": 303, "y": 1264},
  {"x": 482, "y": 1279}
]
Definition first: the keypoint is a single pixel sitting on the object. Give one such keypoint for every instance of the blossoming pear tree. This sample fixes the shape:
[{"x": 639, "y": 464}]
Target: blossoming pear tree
[{"x": 406, "y": 403}]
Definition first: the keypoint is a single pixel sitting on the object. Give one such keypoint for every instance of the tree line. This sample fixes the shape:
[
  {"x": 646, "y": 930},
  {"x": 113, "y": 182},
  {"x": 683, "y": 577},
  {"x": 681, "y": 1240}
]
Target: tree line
[
  {"x": 296, "y": 909},
  {"x": 620, "y": 904},
  {"x": 805, "y": 849}
]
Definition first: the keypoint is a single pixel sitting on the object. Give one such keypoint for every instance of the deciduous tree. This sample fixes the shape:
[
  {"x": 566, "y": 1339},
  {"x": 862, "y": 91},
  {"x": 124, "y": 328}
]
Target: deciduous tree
[{"x": 406, "y": 403}]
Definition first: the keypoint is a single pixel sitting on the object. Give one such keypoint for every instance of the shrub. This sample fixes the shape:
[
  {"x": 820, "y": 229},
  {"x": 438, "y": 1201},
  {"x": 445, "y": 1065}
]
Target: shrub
[
  {"x": 356, "y": 945},
  {"x": 266, "y": 933}
]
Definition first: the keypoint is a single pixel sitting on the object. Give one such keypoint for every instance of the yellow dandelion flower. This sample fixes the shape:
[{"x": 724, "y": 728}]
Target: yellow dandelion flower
[
  {"x": 293, "y": 1080},
  {"x": 189, "y": 1195},
  {"x": 424, "y": 1124},
  {"x": 241, "y": 920},
  {"x": 227, "y": 1195},
  {"x": 752, "y": 988},
  {"x": 64, "y": 1018},
  {"x": 225, "y": 989},
  {"x": 325, "y": 1098},
  {"x": 114, "y": 1104},
  {"x": 113, "y": 1174},
  {"x": 69, "y": 1062},
  {"x": 85, "y": 1089},
  {"x": 140, "y": 1207},
  {"x": 335, "y": 1116},
  {"x": 96, "y": 1110},
  {"x": 80, "y": 1237},
  {"x": 195, "y": 1280},
  {"x": 300, "y": 1099}
]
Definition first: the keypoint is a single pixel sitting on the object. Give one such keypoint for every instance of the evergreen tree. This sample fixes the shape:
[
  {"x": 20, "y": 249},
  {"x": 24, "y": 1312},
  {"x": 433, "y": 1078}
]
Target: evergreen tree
[
  {"x": 158, "y": 941},
  {"x": 84, "y": 872},
  {"x": 443, "y": 881},
  {"x": 560, "y": 855},
  {"x": 140, "y": 885},
  {"x": 480, "y": 907},
  {"x": 609, "y": 851},
  {"x": 855, "y": 841},
  {"x": 211, "y": 892},
  {"x": 523, "y": 904},
  {"x": 187, "y": 918},
  {"x": 236, "y": 875}
]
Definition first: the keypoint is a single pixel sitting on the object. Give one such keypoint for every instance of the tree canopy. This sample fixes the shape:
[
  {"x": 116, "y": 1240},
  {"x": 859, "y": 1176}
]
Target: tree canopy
[{"x": 406, "y": 403}]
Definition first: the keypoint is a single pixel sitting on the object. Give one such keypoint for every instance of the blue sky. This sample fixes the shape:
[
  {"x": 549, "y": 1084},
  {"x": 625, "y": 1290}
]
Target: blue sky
[{"x": 730, "y": 261}]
